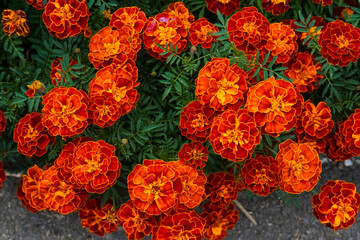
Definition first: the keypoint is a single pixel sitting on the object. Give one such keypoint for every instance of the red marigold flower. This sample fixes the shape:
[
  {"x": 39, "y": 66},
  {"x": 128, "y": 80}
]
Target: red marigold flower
[
  {"x": 337, "y": 205},
  {"x": 194, "y": 154},
  {"x": 95, "y": 167},
  {"x": 66, "y": 18},
  {"x": 276, "y": 7},
  {"x": 104, "y": 110},
  {"x": 14, "y": 22},
  {"x": 234, "y": 135},
  {"x": 299, "y": 165},
  {"x": 196, "y": 120},
  {"x": 2, "y": 122},
  {"x": 154, "y": 186},
  {"x": 56, "y": 69},
  {"x": 275, "y": 105},
  {"x": 248, "y": 30},
  {"x": 350, "y": 133},
  {"x": 2, "y": 174},
  {"x": 340, "y": 43},
  {"x": 36, "y": 86},
  {"x": 31, "y": 135},
  {"x": 37, "y": 4},
  {"x": 303, "y": 70},
  {"x": 221, "y": 188},
  {"x": 323, "y": 2},
  {"x": 129, "y": 17},
  {"x": 99, "y": 220},
  {"x": 65, "y": 111},
  {"x": 336, "y": 151},
  {"x": 136, "y": 223},
  {"x": 164, "y": 30},
  {"x": 202, "y": 32},
  {"x": 261, "y": 174},
  {"x": 178, "y": 9},
  {"x": 218, "y": 219},
  {"x": 221, "y": 85},
  {"x": 225, "y": 7}
]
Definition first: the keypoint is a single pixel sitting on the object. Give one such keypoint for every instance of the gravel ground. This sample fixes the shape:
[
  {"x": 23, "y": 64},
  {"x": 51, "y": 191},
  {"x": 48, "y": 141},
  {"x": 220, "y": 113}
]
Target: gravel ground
[{"x": 275, "y": 218}]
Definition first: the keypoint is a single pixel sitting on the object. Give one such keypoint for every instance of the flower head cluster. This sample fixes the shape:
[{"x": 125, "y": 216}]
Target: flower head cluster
[
  {"x": 2, "y": 174},
  {"x": 128, "y": 17},
  {"x": 336, "y": 151},
  {"x": 178, "y": 9},
  {"x": 350, "y": 133},
  {"x": 225, "y": 7},
  {"x": 221, "y": 188},
  {"x": 56, "y": 69},
  {"x": 202, "y": 32},
  {"x": 14, "y": 22},
  {"x": 36, "y": 86},
  {"x": 194, "y": 154},
  {"x": 276, "y": 7},
  {"x": 2, "y": 122}
]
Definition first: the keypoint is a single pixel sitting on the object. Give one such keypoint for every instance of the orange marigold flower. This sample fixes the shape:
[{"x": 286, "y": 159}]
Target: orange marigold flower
[
  {"x": 65, "y": 111},
  {"x": 221, "y": 85},
  {"x": 336, "y": 151},
  {"x": 178, "y": 9},
  {"x": 319, "y": 144},
  {"x": 95, "y": 167},
  {"x": 225, "y": 7},
  {"x": 299, "y": 165},
  {"x": 154, "y": 186},
  {"x": 66, "y": 18},
  {"x": 2, "y": 122},
  {"x": 56, "y": 69},
  {"x": 234, "y": 135},
  {"x": 2, "y": 174},
  {"x": 104, "y": 110},
  {"x": 275, "y": 105},
  {"x": 340, "y": 43},
  {"x": 14, "y": 22},
  {"x": 221, "y": 188},
  {"x": 350, "y": 133},
  {"x": 35, "y": 86},
  {"x": 194, "y": 154},
  {"x": 337, "y": 205},
  {"x": 129, "y": 17},
  {"x": 303, "y": 70},
  {"x": 31, "y": 135},
  {"x": 276, "y": 7},
  {"x": 202, "y": 32},
  {"x": 261, "y": 174},
  {"x": 99, "y": 220},
  {"x": 323, "y": 2},
  {"x": 196, "y": 120},
  {"x": 164, "y": 30},
  {"x": 37, "y": 4},
  {"x": 248, "y": 30},
  {"x": 136, "y": 223}
]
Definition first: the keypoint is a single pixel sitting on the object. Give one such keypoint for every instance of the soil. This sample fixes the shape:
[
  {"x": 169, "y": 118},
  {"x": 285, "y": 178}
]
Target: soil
[{"x": 278, "y": 216}]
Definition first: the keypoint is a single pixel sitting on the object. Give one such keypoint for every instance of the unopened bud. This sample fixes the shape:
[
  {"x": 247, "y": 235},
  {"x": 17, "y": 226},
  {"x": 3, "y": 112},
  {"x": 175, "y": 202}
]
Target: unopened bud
[
  {"x": 124, "y": 141},
  {"x": 77, "y": 50},
  {"x": 154, "y": 74},
  {"x": 193, "y": 50}
]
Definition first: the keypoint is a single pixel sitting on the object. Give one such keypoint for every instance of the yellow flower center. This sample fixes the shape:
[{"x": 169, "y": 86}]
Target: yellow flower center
[
  {"x": 111, "y": 48},
  {"x": 223, "y": 191},
  {"x": 236, "y": 136},
  {"x": 103, "y": 110},
  {"x": 225, "y": 89},
  {"x": 249, "y": 27},
  {"x": 110, "y": 217},
  {"x": 93, "y": 163},
  {"x": 36, "y": 85},
  {"x": 197, "y": 154},
  {"x": 296, "y": 166},
  {"x": 342, "y": 212},
  {"x": 342, "y": 42},
  {"x": 154, "y": 189},
  {"x": 182, "y": 236},
  {"x": 224, "y": 1},
  {"x": 31, "y": 133},
  {"x": 165, "y": 34},
  {"x": 261, "y": 177},
  {"x": 64, "y": 190},
  {"x": 278, "y": 1},
  {"x": 65, "y": 113},
  {"x": 64, "y": 12},
  {"x": 198, "y": 121}
]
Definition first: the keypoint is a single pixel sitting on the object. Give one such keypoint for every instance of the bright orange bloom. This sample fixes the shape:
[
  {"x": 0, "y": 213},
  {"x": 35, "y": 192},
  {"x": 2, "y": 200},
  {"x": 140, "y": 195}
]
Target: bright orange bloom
[
  {"x": 103, "y": 110},
  {"x": 129, "y": 17},
  {"x": 37, "y": 4},
  {"x": 275, "y": 105},
  {"x": 136, "y": 223},
  {"x": 299, "y": 165},
  {"x": 2, "y": 122},
  {"x": 2, "y": 174},
  {"x": 337, "y": 205},
  {"x": 194, "y": 154},
  {"x": 14, "y": 22},
  {"x": 178, "y": 9},
  {"x": 164, "y": 30},
  {"x": 202, "y": 32},
  {"x": 323, "y": 2},
  {"x": 276, "y": 7},
  {"x": 221, "y": 85},
  {"x": 31, "y": 135},
  {"x": 261, "y": 174},
  {"x": 234, "y": 135},
  {"x": 154, "y": 186},
  {"x": 225, "y": 7},
  {"x": 248, "y": 30},
  {"x": 99, "y": 220},
  {"x": 340, "y": 43},
  {"x": 221, "y": 188},
  {"x": 319, "y": 144},
  {"x": 336, "y": 150},
  {"x": 35, "y": 86},
  {"x": 65, "y": 111},
  {"x": 350, "y": 133},
  {"x": 66, "y": 18},
  {"x": 56, "y": 69}
]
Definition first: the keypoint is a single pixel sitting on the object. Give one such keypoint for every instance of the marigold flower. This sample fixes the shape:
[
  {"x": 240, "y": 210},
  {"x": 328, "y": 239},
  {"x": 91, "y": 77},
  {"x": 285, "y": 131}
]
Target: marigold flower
[
  {"x": 319, "y": 144},
  {"x": 202, "y": 32},
  {"x": 103, "y": 110},
  {"x": 56, "y": 69},
  {"x": 261, "y": 174},
  {"x": 196, "y": 120},
  {"x": 31, "y": 135},
  {"x": 276, "y": 7},
  {"x": 99, "y": 220},
  {"x": 2, "y": 122},
  {"x": 14, "y": 22},
  {"x": 37, "y": 4},
  {"x": 337, "y": 205},
  {"x": 178, "y": 9},
  {"x": 2, "y": 174},
  {"x": 248, "y": 30},
  {"x": 164, "y": 30},
  {"x": 221, "y": 188},
  {"x": 129, "y": 17},
  {"x": 234, "y": 135},
  {"x": 225, "y": 7},
  {"x": 323, "y": 2},
  {"x": 194, "y": 154},
  {"x": 336, "y": 151},
  {"x": 340, "y": 43},
  {"x": 350, "y": 133},
  {"x": 299, "y": 165},
  {"x": 35, "y": 86},
  {"x": 65, "y": 111},
  {"x": 221, "y": 85},
  {"x": 275, "y": 105}
]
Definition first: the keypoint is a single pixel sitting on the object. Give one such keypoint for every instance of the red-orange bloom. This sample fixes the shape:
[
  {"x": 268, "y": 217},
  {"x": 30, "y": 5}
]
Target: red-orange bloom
[
  {"x": 319, "y": 144},
  {"x": 275, "y": 105},
  {"x": 154, "y": 186},
  {"x": 65, "y": 111},
  {"x": 37, "y": 4},
  {"x": 276, "y": 7},
  {"x": 14, "y": 22},
  {"x": 221, "y": 188},
  {"x": 2, "y": 122},
  {"x": 194, "y": 154},
  {"x": 220, "y": 84},
  {"x": 350, "y": 133},
  {"x": 129, "y": 17},
  {"x": 340, "y": 43},
  {"x": 178, "y": 9},
  {"x": 337, "y": 205},
  {"x": 164, "y": 30},
  {"x": 2, "y": 174},
  {"x": 36, "y": 86},
  {"x": 103, "y": 110},
  {"x": 56, "y": 69},
  {"x": 336, "y": 151},
  {"x": 31, "y": 135},
  {"x": 248, "y": 30},
  {"x": 323, "y": 2},
  {"x": 299, "y": 165},
  {"x": 261, "y": 174},
  {"x": 99, "y": 220},
  {"x": 225, "y": 7},
  {"x": 234, "y": 135},
  {"x": 202, "y": 32}
]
